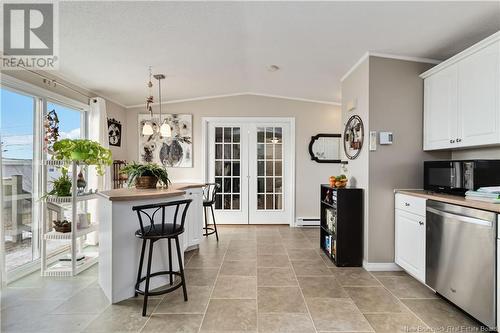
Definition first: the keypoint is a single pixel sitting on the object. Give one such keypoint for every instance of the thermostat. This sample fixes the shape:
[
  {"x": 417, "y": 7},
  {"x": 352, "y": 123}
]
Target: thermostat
[{"x": 385, "y": 138}]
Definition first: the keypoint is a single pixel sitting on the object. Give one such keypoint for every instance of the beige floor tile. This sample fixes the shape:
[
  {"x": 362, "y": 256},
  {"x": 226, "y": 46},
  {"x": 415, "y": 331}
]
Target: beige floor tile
[
  {"x": 406, "y": 287},
  {"x": 88, "y": 301},
  {"x": 125, "y": 316},
  {"x": 51, "y": 323},
  {"x": 375, "y": 300},
  {"x": 235, "y": 287},
  {"x": 301, "y": 243},
  {"x": 199, "y": 261},
  {"x": 241, "y": 254},
  {"x": 239, "y": 267},
  {"x": 303, "y": 254},
  {"x": 321, "y": 286},
  {"x": 13, "y": 317},
  {"x": 336, "y": 314},
  {"x": 271, "y": 248},
  {"x": 200, "y": 276},
  {"x": 269, "y": 260},
  {"x": 389, "y": 273},
  {"x": 185, "y": 323},
  {"x": 440, "y": 315},
  {"x": 280, "y": 300},
  {"x": 230, "y": 315},
  {"x": 311, "y": 268},
  {"x": 285, "y": 323},
  {"x": 354, "y": 277},
  {"x": 174, "y": 302},
  {"x": 276, "y": 277},
  {"x": 395, "y": 323}
]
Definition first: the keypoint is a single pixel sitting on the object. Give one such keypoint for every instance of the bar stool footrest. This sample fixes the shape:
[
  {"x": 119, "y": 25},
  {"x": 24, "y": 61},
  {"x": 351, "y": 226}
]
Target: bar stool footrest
[
  {"x": 162, "y": 291},
  {"x": 208, "y": 231}
]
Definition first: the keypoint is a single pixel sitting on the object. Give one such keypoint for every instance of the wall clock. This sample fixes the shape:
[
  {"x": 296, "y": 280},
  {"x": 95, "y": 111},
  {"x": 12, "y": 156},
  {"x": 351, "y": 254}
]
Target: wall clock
[{"x": 353, "y": 137}]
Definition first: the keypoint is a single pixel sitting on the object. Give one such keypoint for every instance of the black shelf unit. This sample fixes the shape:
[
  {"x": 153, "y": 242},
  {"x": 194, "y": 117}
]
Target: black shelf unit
[{"x": 341, "y": 221}]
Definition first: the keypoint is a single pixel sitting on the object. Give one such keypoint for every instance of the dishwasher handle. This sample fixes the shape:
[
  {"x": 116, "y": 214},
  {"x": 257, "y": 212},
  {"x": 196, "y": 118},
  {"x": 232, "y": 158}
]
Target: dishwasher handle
[{"x": 461, "y": 218}]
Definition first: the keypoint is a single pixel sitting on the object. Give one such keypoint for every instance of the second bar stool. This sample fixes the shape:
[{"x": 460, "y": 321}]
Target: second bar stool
[
  {"x": 153, "y": 231},
  {"x": 209, "y": 192}
]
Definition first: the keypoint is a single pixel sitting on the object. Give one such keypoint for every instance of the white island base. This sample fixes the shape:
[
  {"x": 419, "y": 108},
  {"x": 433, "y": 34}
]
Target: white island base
[{"x": 119, "y": 249}]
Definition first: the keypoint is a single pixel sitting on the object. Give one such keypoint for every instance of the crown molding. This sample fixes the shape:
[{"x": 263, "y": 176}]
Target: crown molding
[
  {"x": 387, "y": 56},
  {"x": 201, "y": 98}
]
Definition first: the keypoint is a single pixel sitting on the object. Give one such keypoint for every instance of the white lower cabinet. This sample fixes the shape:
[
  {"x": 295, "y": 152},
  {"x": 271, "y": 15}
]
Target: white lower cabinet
[
  {"x": 194, "y": 216},
  {"x": 410, "y": 239}
]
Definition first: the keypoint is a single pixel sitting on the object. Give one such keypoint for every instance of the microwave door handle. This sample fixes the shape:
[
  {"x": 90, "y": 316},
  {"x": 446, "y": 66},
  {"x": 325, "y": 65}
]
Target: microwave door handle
[{"x": 461, "y": 218}]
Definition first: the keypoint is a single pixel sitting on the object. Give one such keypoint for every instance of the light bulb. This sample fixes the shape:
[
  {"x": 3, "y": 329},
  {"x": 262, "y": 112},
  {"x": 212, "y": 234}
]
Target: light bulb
[
  {"x": 165, "y": 130},
  {"x": 147, "y": 129}
]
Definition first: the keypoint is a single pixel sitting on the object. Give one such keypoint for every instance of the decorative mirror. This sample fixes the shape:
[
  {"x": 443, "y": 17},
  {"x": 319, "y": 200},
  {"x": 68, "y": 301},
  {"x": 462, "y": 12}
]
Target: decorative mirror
[
  {"x": 325, "y": 148},
  {"x": 353, "y": 137}
]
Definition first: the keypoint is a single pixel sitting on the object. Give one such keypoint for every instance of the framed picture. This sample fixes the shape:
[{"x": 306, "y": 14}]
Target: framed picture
[
  {"x": 173, "y": 152},
  {"x": 114, "y": 132}
]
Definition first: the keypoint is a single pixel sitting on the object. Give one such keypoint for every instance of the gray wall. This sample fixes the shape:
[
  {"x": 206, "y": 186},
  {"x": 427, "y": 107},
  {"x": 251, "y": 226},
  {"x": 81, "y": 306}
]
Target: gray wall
[
  {"x": 396, "y": 105},
  {"x": 356, "y": 87},
  {"x": 477, "y": 153},
  {"x": 389, "y": 95},
  {"x": 310, "y": 119}
]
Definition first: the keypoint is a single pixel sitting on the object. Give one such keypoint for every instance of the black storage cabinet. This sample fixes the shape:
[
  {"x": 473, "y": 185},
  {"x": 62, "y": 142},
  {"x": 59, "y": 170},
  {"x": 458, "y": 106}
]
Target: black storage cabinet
[{"x": 342, "y": 225}]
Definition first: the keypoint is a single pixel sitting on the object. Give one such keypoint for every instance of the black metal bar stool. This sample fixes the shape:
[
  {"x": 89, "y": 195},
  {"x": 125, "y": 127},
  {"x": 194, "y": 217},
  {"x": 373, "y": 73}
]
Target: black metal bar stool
[
  {"x": 153, "y": 232},
  {"x": 209, "y": 192}
]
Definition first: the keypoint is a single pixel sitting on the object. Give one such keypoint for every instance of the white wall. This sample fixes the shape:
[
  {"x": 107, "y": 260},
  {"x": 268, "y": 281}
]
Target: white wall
[{"x": 310, "y": 119}]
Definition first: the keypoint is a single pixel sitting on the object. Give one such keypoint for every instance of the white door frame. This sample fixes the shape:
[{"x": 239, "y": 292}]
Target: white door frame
[{"x": 205, "y": 121}]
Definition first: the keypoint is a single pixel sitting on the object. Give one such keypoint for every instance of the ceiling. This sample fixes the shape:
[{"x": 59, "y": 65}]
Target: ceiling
[{"x": 218, "y": 48}]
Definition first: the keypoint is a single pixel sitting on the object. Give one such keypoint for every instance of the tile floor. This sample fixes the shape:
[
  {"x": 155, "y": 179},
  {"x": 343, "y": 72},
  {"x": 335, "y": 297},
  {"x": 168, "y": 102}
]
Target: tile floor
[{"x": 256, "y": 279}]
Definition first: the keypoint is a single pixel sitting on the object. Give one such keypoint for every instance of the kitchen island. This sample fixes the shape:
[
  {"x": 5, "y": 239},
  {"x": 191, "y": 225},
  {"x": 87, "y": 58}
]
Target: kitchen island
[{"x": 119, "y": 249}]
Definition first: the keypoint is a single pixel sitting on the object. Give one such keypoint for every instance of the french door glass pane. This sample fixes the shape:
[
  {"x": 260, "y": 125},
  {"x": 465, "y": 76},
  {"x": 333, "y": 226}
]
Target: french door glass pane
[
  {"x": 16, "y": 156},
  {"x": 269, "y": 168},
  {"x": 227, "y": 167}
]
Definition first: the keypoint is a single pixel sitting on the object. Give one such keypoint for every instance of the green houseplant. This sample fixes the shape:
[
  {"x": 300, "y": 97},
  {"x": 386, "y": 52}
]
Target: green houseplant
[
  {"x": 62, "y": 185},
  {"x": 146, "y": 175},
  {"x": 87, "y": 151}
]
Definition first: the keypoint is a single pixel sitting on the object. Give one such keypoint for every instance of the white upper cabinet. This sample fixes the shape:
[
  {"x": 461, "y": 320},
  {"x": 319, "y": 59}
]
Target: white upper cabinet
[
  {"x": 478, "y": 97},
  {"x": 440, "y": 109},
  {"x": 462, "y": 98}
]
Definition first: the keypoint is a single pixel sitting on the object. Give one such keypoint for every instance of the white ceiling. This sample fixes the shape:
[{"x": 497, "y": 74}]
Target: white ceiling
[{"x": 216, "y": 48}]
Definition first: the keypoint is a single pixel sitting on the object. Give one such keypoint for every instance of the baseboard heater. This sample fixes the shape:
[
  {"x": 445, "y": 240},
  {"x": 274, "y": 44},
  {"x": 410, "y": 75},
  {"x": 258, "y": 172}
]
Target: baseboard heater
[{"x": 307, "y": 222}]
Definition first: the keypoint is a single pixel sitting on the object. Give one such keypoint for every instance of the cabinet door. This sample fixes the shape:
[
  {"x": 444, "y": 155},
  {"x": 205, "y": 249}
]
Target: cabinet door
[
  {"x": 478, "y": 97},
  {"x": 194, "y": 218},
  {"x": 440, "y": 109},
  {"x": 410, "y": 243}
]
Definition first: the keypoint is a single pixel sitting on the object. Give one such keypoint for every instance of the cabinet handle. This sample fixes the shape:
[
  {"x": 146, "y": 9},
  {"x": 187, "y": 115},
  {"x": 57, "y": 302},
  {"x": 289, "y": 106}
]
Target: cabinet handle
[
  {"x": 407, "y": 204},
  {"x": 420, "y": 222},
  {"x": 459, "y": 140},
  {"x": 452, "y": 141}
]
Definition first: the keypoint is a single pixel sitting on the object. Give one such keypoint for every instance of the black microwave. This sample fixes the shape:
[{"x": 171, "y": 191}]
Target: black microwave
[{"x": 457, "y": 177}]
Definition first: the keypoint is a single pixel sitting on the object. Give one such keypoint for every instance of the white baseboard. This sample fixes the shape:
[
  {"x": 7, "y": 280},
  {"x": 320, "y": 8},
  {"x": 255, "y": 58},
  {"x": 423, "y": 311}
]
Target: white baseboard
[{"x": 381, "y": 266}]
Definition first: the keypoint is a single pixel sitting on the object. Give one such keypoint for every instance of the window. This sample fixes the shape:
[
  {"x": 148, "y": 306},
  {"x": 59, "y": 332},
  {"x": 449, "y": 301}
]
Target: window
[
  {"x": 227, "y": 168},
  {"x": 22, "y": 111}
]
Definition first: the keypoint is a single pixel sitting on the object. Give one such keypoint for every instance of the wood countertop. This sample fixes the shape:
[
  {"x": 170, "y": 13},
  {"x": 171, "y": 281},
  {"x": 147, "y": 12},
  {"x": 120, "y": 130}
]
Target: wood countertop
[
  {"x": 453, "y": 199},
  {"x": 129, "y": 194}
]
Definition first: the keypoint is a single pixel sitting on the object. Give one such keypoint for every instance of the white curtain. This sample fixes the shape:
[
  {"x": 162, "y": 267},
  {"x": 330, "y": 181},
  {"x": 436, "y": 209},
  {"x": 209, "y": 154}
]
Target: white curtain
[{"x": 98, "y": 131}]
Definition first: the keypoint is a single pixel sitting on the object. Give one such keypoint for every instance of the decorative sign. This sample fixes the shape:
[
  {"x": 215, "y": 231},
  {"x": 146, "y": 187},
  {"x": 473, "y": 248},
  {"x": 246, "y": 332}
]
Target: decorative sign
[
  {"x": 114, "y": 132},
  {"x": 175, "y": 151},
  {"x": 353, "y": 137}
]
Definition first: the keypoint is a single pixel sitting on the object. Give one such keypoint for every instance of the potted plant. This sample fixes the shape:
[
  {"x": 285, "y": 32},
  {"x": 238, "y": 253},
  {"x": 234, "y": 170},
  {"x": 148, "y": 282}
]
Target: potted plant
[
  {"x": 146, "y": 175},
  {"x": 87, "y": 151},
  {"x": 62, "y": 185}
]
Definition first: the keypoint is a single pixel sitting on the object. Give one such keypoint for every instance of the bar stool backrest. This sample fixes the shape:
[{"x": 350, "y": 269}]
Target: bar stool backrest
[
  {"x": 209, "y": 192},
  {"x": 147, "y": 215}
]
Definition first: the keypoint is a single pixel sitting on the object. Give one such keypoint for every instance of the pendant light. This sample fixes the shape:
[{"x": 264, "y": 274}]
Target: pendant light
[
  {"x": 147, "y": 128},
  {"x": 165, "y": 130}
]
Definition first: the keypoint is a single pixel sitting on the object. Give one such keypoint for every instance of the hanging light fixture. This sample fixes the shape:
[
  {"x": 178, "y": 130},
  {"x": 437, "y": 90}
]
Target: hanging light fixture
[
  {"x": 147, "y": 128},
  {"x": 165, "y": 129}
]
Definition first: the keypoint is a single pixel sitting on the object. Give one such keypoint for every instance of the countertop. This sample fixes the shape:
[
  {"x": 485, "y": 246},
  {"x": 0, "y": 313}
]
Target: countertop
[
  {"x": 129, "y": 194},
  {"x": 453, "y": 199}
]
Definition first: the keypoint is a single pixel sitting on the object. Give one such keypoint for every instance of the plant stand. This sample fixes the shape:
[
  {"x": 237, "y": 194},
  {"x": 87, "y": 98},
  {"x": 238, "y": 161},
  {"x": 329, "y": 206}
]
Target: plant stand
[{"x": 52, "y": 266}]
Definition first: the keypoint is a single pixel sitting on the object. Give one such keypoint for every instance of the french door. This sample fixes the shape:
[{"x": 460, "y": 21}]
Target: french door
[{"x": 252, "y": 161}]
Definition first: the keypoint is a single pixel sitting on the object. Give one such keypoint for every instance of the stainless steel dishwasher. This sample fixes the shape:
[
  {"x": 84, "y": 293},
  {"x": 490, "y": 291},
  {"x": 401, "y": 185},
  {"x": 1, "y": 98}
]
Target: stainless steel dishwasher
[{"x": 461, "y": 258}]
